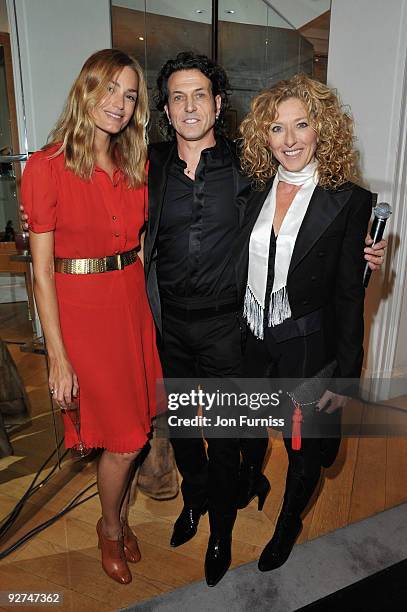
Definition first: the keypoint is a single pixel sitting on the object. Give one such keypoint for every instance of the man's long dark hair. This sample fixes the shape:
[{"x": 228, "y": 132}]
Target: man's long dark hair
[{"x": 189, "y": 61}]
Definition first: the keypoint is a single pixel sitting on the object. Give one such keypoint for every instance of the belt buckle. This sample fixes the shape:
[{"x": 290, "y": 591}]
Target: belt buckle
[{"x": 113, "y": 262}]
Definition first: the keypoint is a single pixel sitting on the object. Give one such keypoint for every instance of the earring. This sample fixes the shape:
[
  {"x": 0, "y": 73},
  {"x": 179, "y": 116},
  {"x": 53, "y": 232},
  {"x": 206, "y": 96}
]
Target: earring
[
  {"x": 217, "y": 116},
  {"x": 169, "y": 121}
]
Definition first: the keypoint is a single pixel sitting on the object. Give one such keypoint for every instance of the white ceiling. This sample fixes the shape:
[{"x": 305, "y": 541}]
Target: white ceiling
[{"x": 256, "y": 12}]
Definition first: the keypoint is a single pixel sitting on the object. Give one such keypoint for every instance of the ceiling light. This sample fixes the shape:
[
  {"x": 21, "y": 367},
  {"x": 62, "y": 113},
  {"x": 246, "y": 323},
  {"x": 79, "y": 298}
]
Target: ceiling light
[
  {"x": 230, "y": 12},
  {"x": 141, "y": 37},
  {"x": 200, "y": 11}
]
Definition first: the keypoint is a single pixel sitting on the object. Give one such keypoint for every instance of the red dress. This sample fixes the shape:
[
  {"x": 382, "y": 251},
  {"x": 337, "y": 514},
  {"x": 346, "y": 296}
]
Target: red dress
[{"x": 106, "y": 323}]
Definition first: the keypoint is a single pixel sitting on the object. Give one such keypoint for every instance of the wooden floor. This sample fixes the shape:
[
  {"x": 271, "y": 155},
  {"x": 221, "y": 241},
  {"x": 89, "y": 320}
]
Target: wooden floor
[{"x": 368, "y": 476}]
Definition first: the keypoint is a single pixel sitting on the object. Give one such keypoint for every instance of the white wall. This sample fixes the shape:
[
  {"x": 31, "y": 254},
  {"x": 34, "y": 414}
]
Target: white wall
[
  {"x": 400, "y": 360},
  {"x": 367, "y": 64},
  {"x": 55, "y": 37}
]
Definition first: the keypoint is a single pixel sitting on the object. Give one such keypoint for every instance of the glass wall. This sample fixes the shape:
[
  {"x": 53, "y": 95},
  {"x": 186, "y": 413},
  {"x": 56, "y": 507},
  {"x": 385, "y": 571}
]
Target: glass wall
[
  {"x": 257, "y": 47},
  {"x": 154, "y": 31},
  {"x": 8, "y": 187},
  {"x": 255, "y": 44}
]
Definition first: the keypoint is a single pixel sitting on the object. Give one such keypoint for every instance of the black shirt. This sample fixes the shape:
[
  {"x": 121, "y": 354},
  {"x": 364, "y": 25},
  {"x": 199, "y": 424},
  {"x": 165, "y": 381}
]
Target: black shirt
[{"x": 198, "y": 226}]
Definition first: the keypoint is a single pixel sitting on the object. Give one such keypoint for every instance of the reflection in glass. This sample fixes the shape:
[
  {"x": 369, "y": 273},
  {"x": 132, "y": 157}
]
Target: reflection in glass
[
  {"x": 257, "y": 47},
  {"x": 28, "y": 431},
  {"x": 160, "y": 33},
  {"x": 8, "y": 192}
]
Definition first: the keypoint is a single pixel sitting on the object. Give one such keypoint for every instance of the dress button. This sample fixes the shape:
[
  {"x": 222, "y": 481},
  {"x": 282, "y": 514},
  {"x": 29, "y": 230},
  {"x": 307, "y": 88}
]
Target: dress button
[
  {"x": 116, "y": 252},
  {"x": 114, "y": 218},
  {"x": 304, "y": 302},
  {"x": 117, "y": 235},
  {"x": 313, "y": 278}
]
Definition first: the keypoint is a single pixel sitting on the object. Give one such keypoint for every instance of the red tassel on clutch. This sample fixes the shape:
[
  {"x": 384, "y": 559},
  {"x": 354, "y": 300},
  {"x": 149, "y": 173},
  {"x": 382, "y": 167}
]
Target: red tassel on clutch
[{"x": 296, "y": 428}]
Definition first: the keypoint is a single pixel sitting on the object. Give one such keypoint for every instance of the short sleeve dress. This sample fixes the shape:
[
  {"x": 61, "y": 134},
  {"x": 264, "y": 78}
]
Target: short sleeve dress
[{"x": 106, "y": 323}]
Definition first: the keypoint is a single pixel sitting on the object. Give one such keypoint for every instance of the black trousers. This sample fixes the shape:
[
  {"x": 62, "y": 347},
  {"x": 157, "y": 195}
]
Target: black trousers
[
  {"x": 300, "y": 357},
  {"x": 210, "y": 347}
]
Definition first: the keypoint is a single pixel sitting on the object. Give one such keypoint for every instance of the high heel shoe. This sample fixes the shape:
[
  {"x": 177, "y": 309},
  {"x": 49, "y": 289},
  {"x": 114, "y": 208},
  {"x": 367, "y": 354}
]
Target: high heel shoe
[
  {"x": 218, "y": 558},
  {"x": 186, "y": 525},
  {"x": 219, "y": 553},
  {"x": 252, "y": 483},
  {"x": 130, "y": 544},
  {"x": 279, "y": 548},
  {"x": 113, "y": 559}
]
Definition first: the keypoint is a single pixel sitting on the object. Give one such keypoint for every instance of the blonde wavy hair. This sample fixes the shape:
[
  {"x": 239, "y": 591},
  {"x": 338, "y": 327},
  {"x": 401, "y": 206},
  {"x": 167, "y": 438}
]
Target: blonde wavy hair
[
  {"x": 74, "y": 131},
  {"x": 335, "y": 153}
]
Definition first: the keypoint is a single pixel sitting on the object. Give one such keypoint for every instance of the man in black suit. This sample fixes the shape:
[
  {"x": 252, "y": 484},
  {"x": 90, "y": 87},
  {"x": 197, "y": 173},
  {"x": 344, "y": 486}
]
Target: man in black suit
[{"x": 196, "y": 206}]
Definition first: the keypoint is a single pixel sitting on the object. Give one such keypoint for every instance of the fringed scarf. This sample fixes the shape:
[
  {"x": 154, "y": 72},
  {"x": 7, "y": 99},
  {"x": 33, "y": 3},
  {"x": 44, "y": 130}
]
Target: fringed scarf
[{"x": 259, "y": 246}]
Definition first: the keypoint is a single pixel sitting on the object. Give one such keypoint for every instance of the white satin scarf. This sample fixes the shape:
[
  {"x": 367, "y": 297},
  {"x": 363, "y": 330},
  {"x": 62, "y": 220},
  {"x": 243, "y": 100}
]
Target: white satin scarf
[{"x": 259, "y": 246}]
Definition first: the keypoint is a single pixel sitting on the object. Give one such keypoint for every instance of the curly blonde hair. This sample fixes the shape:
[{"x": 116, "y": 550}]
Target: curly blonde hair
[
  {"x": 74, "y": 131},
  {"x": 335, "y": 153}
]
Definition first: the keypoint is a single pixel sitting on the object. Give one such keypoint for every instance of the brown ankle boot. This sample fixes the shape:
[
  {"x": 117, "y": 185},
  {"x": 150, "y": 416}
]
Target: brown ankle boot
[
  {"x": 113, "y": 559},
  {"x": 131, "y": 549}
]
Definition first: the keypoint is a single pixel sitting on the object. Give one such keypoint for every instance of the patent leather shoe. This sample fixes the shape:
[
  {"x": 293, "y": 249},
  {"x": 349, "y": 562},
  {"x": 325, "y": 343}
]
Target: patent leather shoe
[
  {"x": 281, "y": 544},
  {"x": 130, "y": 544},
  {"x": 113, "y": 559},
  {"x": 186, "y": 525},
  {"x": 252, "y": 483},
  {"x": 218, "y": 558}
]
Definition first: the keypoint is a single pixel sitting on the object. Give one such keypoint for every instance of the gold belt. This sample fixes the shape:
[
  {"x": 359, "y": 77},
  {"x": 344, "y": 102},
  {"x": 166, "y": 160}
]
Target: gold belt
[{"x": 96, "y": 265}]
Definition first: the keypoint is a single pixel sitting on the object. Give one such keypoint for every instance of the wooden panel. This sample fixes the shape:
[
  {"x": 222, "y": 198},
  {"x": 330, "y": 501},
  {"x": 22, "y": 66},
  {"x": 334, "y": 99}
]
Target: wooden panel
[
  {"x": 317, "y": 33},
  {"x": 17, "y": 579},
  {"x": 333, "y": 504},
  {"x": 6, "y": 265},
  {"x": 396, "y": 471},
  {"x": 369, "y": 485}
]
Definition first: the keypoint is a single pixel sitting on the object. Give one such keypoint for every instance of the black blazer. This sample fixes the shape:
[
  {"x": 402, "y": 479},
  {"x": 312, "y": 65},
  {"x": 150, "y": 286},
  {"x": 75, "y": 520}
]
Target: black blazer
[
  {"x": 326, "y": 269},
  {"x": 161, "y": 155}
]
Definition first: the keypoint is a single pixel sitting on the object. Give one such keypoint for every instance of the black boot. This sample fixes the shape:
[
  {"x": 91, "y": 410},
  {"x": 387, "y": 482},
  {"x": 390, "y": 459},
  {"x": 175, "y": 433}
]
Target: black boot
[
  {"x": 329, "y": 451},
  {"x": 186, "y": 525},
  {"x": 219, "y": 555},
  {"x": 281, "y": 544},
  {"x": 304, "y": 468},
  {"x": 252, "y": 483}
]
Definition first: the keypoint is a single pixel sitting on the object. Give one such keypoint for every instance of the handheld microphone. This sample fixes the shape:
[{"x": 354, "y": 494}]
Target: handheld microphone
[{"x": 382, "y": 212}]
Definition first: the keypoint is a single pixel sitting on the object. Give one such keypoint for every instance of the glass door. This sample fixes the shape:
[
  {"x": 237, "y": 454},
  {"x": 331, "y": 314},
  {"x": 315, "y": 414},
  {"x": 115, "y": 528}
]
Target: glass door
[
  {"x": 14, "y": 275},
  {"x": 29, "y": 429}
]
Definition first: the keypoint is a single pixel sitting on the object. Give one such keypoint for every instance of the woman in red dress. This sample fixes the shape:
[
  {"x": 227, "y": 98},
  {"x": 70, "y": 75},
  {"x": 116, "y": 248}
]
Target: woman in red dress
[{"x": 85, "y": 197}]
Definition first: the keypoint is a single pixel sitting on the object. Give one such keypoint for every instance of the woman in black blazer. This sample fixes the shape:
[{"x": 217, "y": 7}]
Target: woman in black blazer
[{"x": 300, "y": 273}]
